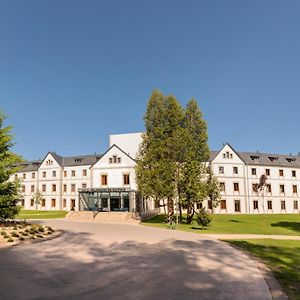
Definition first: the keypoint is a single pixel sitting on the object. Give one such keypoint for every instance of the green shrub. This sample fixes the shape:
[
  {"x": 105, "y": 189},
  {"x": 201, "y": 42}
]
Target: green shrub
[
  {"x": 39, "y": 236},
  {"x": 6, "y": 236},
  {"x": 15, "y": 234},
  {"x": 203, "y": 219},
  {"x": 41, "y": 229},
  {"x": 21, "y": 238},
  {"x": 26, "y": 230},
  {"x": 10, "y": 240},
  {"x": 3, "y": 232}
]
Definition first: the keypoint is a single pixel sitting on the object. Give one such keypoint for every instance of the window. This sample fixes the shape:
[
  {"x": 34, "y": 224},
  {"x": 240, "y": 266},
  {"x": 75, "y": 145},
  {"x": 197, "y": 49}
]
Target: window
[
  {"x": 53, "y": 187},
  {"x": 282, "y": 205},
  {"x": 72, "y": 204},
  {"x": 296, "y": 205},
  {"x": 269, "y": 204},
  {"x": 103, "y": 179},
  {"x": 253, "y": 171},
  {"x": 43, "y": 202},
  {"x": 222, "y": 186},
  {"x": 254, "y": 187},
  {"x": 64, "y": 203},
  {"x": 236, "y": 187},
  {"x": 223, "y": 204},
  {"x": 73, "y": 188},
  {"x": 44, "y": 174},
  {"x": 209, "y": 204},
  {"x": 235, "y": 170},
  {"x": 31, "y": 202},
  {"x": 33, "y": 175},
  {"x": 269, "y": 188},
  {"x": 114, "y": 158},
  {"x": 221, "y": 170},
  {"x": 199, "y": 205},
  {"x": 119, "y": 160},
  {"x": 53, "y": 202},
  {"x": 281, "y": 173},
  {"x": 125, "y": 179},
  {"x": 44, "y": 188},
  {"x": 65, "y": 188},
  {"x": 293, "y": 173},
  {"x": 281, "y": 188},
  {"x": 53, "y": 173},
  {"x": 267, "y": 172},
  {"x": 295, "y": 190},
  {"x": 23, "y": 188},
  {"x": 24, "y": 176},
  {"x": 110, "y": 160},
  {"x": 65, "y": 173},
  {"x": 83, "y": 185},
  {"x": 16, "y": 176},
  {"x": 73, "y": 173},
  {"x": 255, "y": 204},
  {"x": 22, "y": 202},
  {"x": 49, "y": 162},
  {"x": 84, "y": 173},
  {"x": 237, "y": 206},
  {"x": 32, "y": 189}
]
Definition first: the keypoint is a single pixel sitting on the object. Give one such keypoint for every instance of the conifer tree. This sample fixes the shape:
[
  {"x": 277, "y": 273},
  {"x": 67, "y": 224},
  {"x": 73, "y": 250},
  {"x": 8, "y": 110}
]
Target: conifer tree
[{"x": 8, "y": 189}]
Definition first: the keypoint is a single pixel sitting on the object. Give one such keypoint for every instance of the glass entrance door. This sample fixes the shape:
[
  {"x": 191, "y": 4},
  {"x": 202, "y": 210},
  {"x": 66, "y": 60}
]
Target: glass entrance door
[{"x": 115, "y": 204}]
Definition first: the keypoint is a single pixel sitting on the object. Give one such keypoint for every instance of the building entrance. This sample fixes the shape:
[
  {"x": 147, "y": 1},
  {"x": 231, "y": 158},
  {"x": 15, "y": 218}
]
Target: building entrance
[{"x": 108, "y": 199}]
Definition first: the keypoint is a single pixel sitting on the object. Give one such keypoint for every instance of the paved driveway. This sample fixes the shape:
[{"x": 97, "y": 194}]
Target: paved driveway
[{"x": 110, "y": 261}]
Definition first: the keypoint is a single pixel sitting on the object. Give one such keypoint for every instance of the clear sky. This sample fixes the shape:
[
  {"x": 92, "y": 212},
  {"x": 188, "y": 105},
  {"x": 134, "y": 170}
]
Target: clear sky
[{"x": 73, "y": 72}]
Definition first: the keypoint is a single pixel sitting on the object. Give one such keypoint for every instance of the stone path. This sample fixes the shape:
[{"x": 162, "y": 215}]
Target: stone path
[{"x": 113, "y": 261}]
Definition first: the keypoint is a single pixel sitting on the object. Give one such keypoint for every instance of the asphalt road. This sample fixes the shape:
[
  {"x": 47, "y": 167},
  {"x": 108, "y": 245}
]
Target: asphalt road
[{"x": 111, "y": 261}]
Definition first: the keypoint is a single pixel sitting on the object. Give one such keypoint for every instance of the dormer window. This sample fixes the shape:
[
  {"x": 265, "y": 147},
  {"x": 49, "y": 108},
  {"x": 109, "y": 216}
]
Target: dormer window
[
  {"x": 78, "y": 160},
  {"x": 272, "y": 158},
  {"x": 290, "y": 159},
  {"x": 254, "y": 157}
]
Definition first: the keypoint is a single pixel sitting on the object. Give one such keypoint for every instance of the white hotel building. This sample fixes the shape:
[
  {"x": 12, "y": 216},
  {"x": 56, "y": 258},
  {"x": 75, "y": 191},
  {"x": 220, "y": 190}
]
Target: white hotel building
[{"x": 106, "y": 182}]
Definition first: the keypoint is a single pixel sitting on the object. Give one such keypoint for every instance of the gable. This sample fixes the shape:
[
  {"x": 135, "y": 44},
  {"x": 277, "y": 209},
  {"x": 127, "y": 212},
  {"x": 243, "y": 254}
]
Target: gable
[
  {"x": 115, "y": 157},
  {"x": 49, "y": 162},
  {"x": 227, "y": 155}
]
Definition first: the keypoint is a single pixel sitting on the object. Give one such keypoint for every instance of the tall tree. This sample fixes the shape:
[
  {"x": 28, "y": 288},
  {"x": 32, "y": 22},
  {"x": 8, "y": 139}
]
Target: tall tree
[
  {"x": 193, "y": 186},
  {"x": 156, "y": 166},
  {"x": 9, "y": 195}
]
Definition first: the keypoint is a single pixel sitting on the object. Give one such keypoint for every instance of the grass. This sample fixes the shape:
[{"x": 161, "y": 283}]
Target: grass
[
  {"x": 41, "y": 214},
  {"x": 282, "y": 257},
  {"x": 285, "y": 224}
]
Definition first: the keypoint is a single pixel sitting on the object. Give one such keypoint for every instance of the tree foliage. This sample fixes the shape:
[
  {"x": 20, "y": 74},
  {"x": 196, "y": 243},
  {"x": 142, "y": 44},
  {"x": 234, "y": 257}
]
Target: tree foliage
[
  {"x": 173, "y": 154},
  {"x": 9, "y": 196}
]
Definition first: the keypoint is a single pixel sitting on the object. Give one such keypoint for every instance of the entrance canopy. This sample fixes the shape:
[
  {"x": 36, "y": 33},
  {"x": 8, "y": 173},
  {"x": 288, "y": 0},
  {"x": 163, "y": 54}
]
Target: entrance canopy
[{"x": 107, "y": 199}]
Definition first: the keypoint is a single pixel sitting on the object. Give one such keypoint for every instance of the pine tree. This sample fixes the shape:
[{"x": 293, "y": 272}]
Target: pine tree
[
  {"x": 8, "y": 190},
  {"x": 192, "y": 186},
  {"x": 156, "y": 166}
]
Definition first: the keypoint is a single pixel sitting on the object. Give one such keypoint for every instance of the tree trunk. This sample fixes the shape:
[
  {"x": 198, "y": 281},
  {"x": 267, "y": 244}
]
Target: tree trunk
[
  {"x": 190, "y": 213},
  {"x": 180, "y": 213},
  {"x": 170, "y": 206}
]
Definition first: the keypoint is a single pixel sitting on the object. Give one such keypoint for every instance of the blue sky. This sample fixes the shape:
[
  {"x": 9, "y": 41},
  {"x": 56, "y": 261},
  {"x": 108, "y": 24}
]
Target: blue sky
[{"x": 73, "y": 72}]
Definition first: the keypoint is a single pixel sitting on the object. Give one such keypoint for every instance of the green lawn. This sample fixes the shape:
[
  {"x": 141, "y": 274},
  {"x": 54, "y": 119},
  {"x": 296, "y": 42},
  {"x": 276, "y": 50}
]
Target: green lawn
[
  {"x": 242, "y": 224},
  {"x": 41, "y": 214},
  {"x": 282, "y": 257}
]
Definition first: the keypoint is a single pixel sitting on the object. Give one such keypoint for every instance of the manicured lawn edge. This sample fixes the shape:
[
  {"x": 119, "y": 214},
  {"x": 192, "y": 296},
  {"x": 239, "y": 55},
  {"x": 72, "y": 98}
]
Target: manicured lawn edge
[
  {"x": 285, "y": 224},
  {"x": 278, "y": 260}
]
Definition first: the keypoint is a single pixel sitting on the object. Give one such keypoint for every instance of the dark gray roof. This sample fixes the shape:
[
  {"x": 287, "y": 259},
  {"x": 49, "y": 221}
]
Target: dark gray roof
[
  {"x": 29, "y": 166},
  {"x": 213, "y": 155},
  {"x": 79, "y": 160},
  {"x": 268, "y": 159}
]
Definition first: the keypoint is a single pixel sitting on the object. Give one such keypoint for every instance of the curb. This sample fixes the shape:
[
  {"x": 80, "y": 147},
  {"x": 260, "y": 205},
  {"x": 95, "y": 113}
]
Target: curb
[
  {"x": 274, "y": 286},
  {"x": 57, "y": 234}
]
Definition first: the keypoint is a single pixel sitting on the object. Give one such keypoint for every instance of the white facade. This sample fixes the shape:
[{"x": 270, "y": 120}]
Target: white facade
[
  {"x": 240, "y": 172},
  {"x": 61, "y": 178}
]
